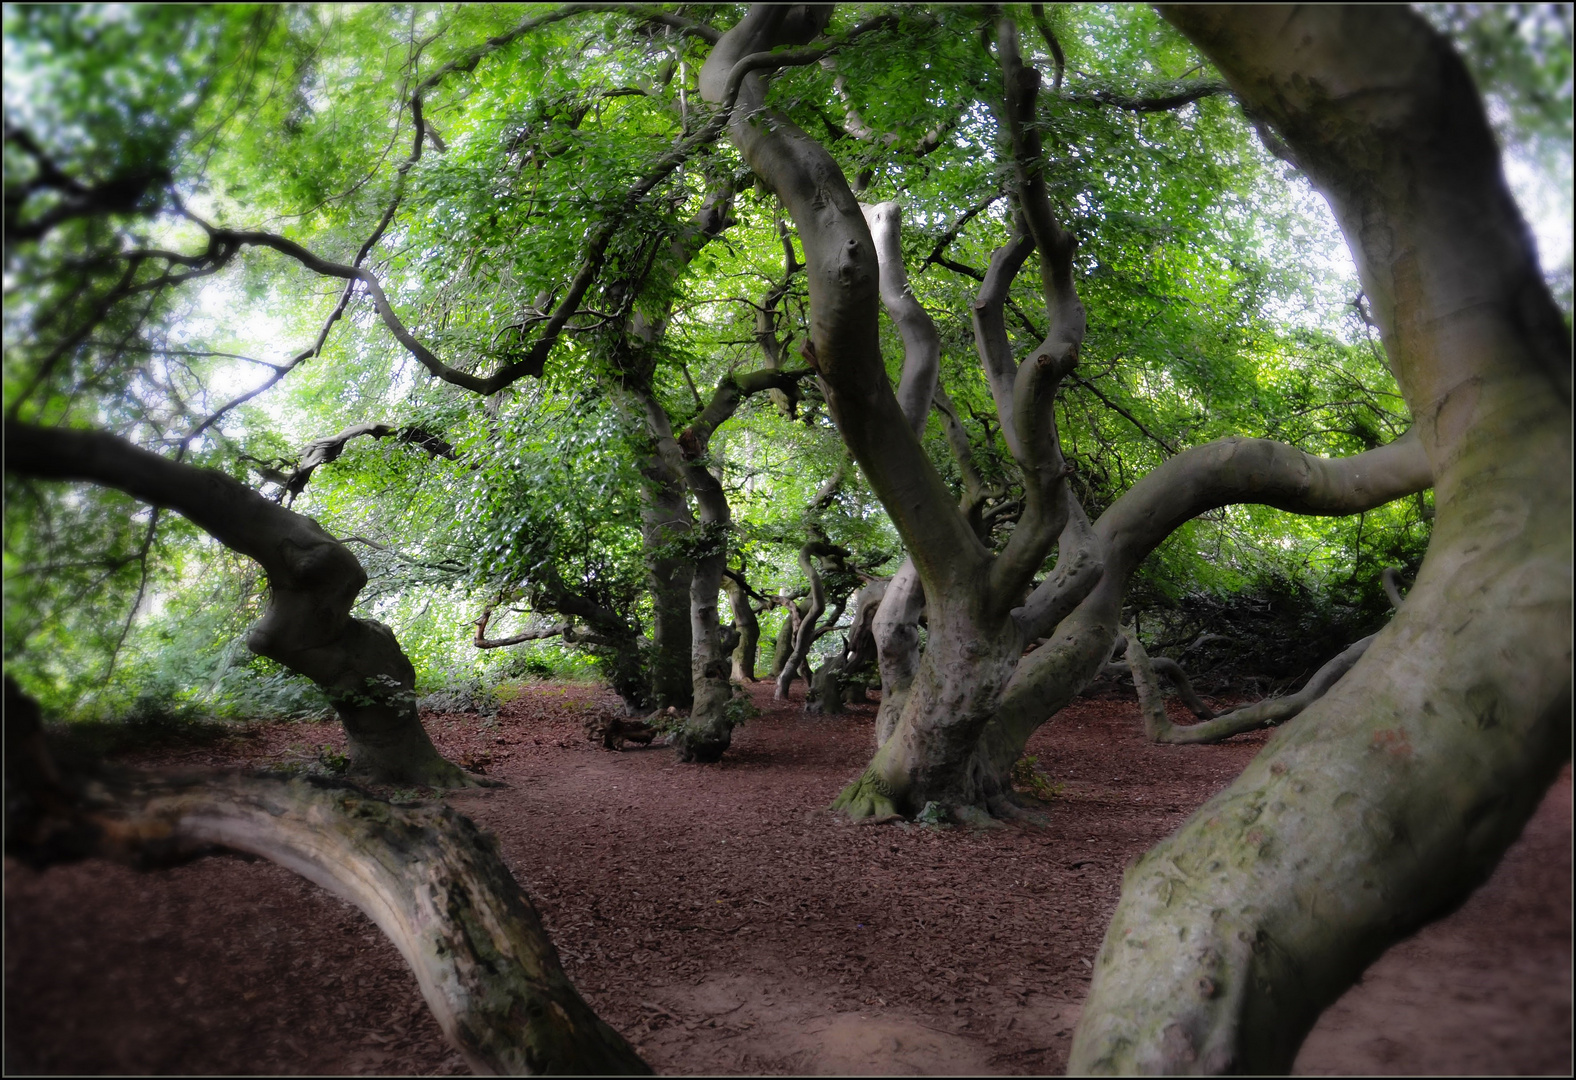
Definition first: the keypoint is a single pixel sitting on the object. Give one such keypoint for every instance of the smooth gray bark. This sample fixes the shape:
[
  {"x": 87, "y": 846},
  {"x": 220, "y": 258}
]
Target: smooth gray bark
[{"x": 749, "y": 630}]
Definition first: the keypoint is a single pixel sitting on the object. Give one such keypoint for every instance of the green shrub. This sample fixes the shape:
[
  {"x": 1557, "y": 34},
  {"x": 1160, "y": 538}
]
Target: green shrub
[{"x": 1027, "y": 777}]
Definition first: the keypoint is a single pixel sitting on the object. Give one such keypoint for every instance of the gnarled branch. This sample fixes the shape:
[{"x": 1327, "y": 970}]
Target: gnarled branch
[
  {"x": 426, "y": 875},
  {"x": 313, "y": 582}
]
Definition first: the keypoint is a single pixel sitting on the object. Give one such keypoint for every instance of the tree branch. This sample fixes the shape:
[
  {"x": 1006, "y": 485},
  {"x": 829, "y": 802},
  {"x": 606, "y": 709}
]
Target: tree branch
[
  {"x": 1150, "y": 103},
  {"x": 843, "y": 284},
  {"x": 921, "y": 343},
  {"x": 426, "y": 875},
  {"x": 313, "y": 583},
  {"x": 1035, "y": 384}
]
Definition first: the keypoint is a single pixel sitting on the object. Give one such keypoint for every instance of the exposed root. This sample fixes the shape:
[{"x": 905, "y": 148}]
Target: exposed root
[
  {"x": 1007, "y": 808},
  {"x": 975, "y": 817},
  {"x": 437, "y": 772},
  {"x": 868, "y": 797}
]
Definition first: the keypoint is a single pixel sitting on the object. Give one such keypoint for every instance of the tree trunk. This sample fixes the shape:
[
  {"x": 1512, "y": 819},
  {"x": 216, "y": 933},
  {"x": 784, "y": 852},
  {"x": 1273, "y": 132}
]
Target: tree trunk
[
  {"x": 955, "y": 693},
  {"x": 782, "y": 644},
  {"x": 825, "y": 692},
  {"x": 431, "y": 880},
  {"x": 665, "y": 524},
  {"x": 709, "y": 730},
  {"x": 313, "y": 581},
  {"x": 749, "y": 631},
  {"x": 804, "y": 632},
  {"x": 896, "y": 630},
  {"x": 1393, "y": 796}
]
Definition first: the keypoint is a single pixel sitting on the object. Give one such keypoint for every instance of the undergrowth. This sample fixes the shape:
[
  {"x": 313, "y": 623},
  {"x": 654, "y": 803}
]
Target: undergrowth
[{"x": 1027, "y": 778}]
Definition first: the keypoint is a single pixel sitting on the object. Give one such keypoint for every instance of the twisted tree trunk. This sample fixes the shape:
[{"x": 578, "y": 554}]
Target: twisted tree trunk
[
  {"x": 804, "y": 633},
  {"x": 749, "y": 628},
  {"x": 313, "y": 581},
  {"x": 1393, "y": 796}
]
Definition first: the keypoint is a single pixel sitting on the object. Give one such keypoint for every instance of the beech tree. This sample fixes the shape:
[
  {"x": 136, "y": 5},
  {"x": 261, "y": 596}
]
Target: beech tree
[{"x": 689, "y": 222}]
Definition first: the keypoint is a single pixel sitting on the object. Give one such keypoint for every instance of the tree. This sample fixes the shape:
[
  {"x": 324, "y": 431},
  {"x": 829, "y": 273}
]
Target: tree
[
  {"x": 582, "y": 224},
  {"x": 313, "y": 581},
  {"x": 972, "y": 703},
  {"x": 1396, "y": 794}
]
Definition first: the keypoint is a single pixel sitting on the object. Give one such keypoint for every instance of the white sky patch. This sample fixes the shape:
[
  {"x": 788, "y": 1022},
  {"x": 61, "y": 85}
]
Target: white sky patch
[
  {"x": 249, "y": 329},
  {"x": 1546, "y": 204}
]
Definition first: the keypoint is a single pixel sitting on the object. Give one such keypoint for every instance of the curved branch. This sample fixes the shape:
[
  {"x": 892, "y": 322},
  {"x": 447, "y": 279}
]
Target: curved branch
[
  {"x": 651, "y": 13},
  {"x": 975, "y": 491},
  {"x": 774, "y": 59},
  {"x": 806, "y": 635},
  {"x": 990, "y": 332},
  {"x": 1237, "y": 470},
  {"x": 1150, "y": 103},
  {"x": 482, "y": 641},
  {"x": 1051, "y": 42},
  {"x": 725, "y": 401},
  {"x": 1391, "y": 578},
  {"x": 946, "y": 239},
  {"x": 843, "y": 283},
  {"x": 313, "y": 582},
  {"x": 1174, "y": 671},
  {"x": 1035, "y": 384},
  {"x": 1080, "y": 564},
  {"x": 921, "y": 343},
  {"x": 326, "y": 450},
  {"x": 425, "y": 874},
  {"x": 1271, "y": 711},
  {"x": 1198, "y": 480}
]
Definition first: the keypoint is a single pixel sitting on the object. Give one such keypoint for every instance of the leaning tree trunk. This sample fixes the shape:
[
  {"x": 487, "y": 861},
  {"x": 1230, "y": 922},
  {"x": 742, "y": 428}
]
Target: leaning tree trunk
[
  {"x": 430, "y": 879},
  {"x": 313, "y": 581},
  {"x": 1393, "y": 796}
]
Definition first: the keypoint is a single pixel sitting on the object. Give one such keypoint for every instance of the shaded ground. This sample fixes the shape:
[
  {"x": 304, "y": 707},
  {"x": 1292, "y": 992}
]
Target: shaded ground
[{"x": 726, "y": 925}]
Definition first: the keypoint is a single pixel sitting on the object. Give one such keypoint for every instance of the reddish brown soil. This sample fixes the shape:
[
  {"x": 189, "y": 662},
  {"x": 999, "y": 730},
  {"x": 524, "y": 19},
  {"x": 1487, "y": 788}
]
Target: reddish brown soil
[{"x": 721, "y": 920}]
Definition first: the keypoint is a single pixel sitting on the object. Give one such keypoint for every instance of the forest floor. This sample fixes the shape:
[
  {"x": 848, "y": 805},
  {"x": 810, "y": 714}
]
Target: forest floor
[{"x": 726, "y": 924}]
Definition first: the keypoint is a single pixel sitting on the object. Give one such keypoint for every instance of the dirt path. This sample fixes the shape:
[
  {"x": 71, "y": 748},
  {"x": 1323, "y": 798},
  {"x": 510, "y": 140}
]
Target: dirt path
[{"x": 723, "y": 922}]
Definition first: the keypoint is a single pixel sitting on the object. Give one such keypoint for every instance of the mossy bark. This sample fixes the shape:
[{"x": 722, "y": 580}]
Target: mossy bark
[
  {"x": 666, "y": 523},
  {"x": 1395, "y": 794},
  {"x": 744, "y": 653}
]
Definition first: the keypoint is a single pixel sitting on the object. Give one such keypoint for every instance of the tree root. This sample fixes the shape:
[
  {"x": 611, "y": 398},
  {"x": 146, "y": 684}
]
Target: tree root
[
  {"x": 439, "y": 773},
  {"x": 1159, "y": 728},
  {"x": 976, "y": 817},
  {"x": 868, "y": 797},
  {"x": 431, "y": 880},
  {"x": 702, "y": 743},
  {"x": 1007, "y": 807}
]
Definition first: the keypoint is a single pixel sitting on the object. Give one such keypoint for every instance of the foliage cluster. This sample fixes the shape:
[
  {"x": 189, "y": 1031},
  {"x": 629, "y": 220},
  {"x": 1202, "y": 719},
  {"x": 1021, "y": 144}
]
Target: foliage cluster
[{"x": 1195, "y": 245}]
